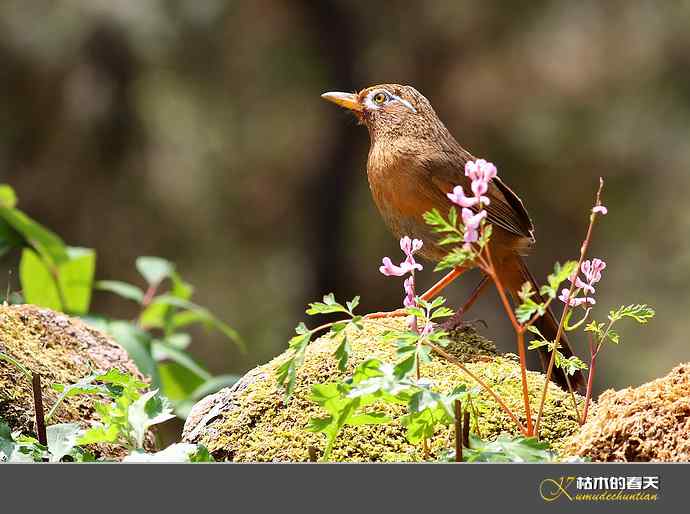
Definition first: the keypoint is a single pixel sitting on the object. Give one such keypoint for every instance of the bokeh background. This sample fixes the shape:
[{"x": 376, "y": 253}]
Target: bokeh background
[{"x": 193, "y": 130}]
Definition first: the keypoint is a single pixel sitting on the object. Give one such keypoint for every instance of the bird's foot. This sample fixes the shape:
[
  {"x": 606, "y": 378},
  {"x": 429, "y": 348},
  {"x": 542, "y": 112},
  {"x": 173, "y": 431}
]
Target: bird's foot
[{"x": 456, "y": 322}]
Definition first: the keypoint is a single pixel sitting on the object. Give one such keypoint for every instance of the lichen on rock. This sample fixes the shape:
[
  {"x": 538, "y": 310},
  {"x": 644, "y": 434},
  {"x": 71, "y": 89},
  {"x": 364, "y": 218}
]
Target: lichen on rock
[
  {"x": 647, "y": 423},
  {"x": 62, "y": 350},
  {"x": 251, "y": 421}
]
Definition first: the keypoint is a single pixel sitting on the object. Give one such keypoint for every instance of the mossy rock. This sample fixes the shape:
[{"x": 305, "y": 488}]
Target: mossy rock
[
  {"x": 62, "y": 350},
  {"x": 251, "y": 420},
  {"x": 646, "y": 423}
]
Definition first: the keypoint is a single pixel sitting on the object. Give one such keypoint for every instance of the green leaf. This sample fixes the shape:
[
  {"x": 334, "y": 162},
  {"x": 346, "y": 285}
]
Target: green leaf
[
  {"x": 560, "y": 274},
  {"x": 116, "y": 377},
  {"x": 38, "y": 285},
  {"x": 75, "y": 279},
  {"x": 329, "y": 305},
  {"x": 47, "y": 244},
  {"x": 9, "y": 238},
  {"x": 352, "y": 304},
  {"x": 641, "y": 313},
  {"x": 99, "y": 434},
  {"x": 138, "y": 345},
  {"x": 406, "y": 367},
  {"x": 62, "y": 439},
  {"x": 342, "y": 354},
  {"x": 150, "y": 409},
  {"x": 507, "y": 449},
  {"x": 123, "y": 289},
  {"x": 154, "y": 316},
  {"x": 8, "y": 198},
  {"x": 163, "y": 351},
  {"x": 154, "y": 269},
  {"x": 178, "y": 383}
]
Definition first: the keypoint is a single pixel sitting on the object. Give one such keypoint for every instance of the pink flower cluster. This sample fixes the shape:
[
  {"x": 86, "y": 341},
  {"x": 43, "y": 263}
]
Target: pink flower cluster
[
  {"x": 592, "y": 274},
  {"x": 480, "y": 172},
  {"x": 409, "y": 265}
]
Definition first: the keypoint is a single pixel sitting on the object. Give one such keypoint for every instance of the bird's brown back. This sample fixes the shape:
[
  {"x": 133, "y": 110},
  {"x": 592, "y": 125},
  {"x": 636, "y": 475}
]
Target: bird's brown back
[{"x": 414, "y": 161}]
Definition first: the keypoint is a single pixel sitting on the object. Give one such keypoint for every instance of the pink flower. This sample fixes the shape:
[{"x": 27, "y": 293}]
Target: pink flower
[
  {"x": 409, "y": 300},
  {"x": 458, "y": 197},
  {"x": 592, "y": 273},
  {"x": 409, "y": 247},
  {"x": 592, "y": 270},
  {"x": 472, "y": 222},
  {"x": 480, "y": 170},
  {"x": 600, "y": 209},
  {"x": 575, "y": 302}
]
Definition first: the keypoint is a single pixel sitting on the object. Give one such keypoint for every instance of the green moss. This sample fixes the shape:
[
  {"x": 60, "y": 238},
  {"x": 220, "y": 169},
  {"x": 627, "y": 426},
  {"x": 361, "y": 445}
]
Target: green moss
[
  {"x": 257, "y": 424},
  {"x": 62, "y": 350}
]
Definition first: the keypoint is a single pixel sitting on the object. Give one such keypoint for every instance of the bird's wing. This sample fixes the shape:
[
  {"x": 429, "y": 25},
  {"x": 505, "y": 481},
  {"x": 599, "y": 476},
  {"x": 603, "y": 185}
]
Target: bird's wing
[{"x": 505, "y": 209}]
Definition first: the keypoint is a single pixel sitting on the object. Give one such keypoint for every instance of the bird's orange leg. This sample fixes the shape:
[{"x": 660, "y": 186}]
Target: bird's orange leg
[
  {"x": 443, "y": 283},
  {"x": 433, "y": 291},
  {"x": 456, "y": 320}
]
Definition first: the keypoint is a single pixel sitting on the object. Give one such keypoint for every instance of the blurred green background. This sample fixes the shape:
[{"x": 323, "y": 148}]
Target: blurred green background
[{"x": 194, "y": 130}]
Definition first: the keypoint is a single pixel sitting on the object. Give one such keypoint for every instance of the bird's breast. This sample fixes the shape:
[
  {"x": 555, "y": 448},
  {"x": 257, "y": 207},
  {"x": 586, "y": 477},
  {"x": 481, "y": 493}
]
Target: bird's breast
[{"x": 402, "y": 191}]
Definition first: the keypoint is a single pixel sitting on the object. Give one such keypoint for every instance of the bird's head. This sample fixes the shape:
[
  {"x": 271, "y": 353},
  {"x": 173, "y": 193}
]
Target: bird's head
[{"x": 388, "y": 109}]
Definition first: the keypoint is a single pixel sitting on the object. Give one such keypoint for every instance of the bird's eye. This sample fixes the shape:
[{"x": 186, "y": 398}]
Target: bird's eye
[{"x": 380, "y": 98}]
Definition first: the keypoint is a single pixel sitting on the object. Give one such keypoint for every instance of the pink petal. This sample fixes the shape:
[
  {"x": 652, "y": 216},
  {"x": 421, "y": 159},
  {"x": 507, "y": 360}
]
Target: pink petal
[
  {"x": 458, "y": 197},
  {"x": 600, "y": 209}
]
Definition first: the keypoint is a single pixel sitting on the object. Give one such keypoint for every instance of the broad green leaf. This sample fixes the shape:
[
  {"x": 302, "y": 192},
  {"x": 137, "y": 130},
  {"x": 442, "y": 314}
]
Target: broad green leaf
[
  {"x": 62, "y": 439},
  {"x": 47, "y": 244},
  {"x": 342, "y": 354},
  {"x": 177, "y": 382},
  {"x": 138, "y": 345},
  {"x": 150, "y": 409},
  {"x": 123, "y": 289},
  {"x": 180, "y": 288},
  {"x": 154, "y": 269},
  {"x": 8, "y": 198},
  {"x": 38, "y": 285},
  {"x": 506, "y": 449},
  {"x": 9, "y": 238},
  {"x": 99, "y": 434},
  {"x": 163, "y": 351},
  {"x": 154, "y": 316},
  {"x": 75, "y": 279}
]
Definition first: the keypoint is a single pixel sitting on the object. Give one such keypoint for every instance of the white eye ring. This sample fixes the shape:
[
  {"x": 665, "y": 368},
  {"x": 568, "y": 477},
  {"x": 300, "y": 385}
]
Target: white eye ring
[{"x": 373, "y": 103}]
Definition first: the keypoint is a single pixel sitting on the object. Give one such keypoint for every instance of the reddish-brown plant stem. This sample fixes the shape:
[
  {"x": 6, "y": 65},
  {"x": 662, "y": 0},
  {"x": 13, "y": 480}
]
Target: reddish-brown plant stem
[
  {"x": 590, "y": 383},
  {"x": 520, "y": 336},
  {"x": 458, "y": 431},
  {"x": 561, "y": 324},
  {"x": 38, "y": 409}
]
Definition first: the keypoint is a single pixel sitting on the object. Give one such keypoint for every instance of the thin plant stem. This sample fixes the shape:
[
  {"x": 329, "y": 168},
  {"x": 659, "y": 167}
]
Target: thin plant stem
[
  {"x": 552, "y": 360},
  {"x": 454, "y": 360},
  {"x": 520, "y": 336},
  {"x": 458, "y": 431},
  {"x": 38, "y": 410},
  {"x": 14, "y": 362}
]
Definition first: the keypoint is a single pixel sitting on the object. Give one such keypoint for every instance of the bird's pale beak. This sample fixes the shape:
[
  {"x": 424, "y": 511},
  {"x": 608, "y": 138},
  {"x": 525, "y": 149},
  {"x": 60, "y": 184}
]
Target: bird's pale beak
[{"x": 345, "y": 100}]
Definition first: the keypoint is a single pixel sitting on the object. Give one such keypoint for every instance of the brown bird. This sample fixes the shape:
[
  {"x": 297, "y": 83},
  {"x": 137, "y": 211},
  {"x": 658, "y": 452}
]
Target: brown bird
[{"x": 414, "y": 161}]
